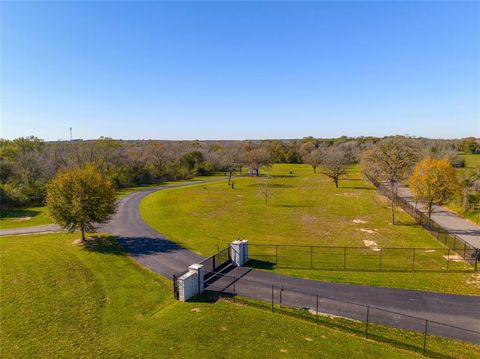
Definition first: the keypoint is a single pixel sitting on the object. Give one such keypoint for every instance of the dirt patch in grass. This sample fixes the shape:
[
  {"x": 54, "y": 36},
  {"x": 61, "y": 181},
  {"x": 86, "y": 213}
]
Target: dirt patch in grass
[
  {"x": 369, "y": 231},
  {"x": 371, "y": 244},
  {"x": 348, "y": 194},
  {"x": 454, "y": 258},
  {"x": 474, "y": 280},
  {"x": 359, "y": 221}
]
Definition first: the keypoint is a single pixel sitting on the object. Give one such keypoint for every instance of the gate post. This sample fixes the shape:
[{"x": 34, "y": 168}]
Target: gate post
[
  {"x": 198, "y": 269},
  {"x": 189, "y": 284},
  {"x": 239, "y": 252}
]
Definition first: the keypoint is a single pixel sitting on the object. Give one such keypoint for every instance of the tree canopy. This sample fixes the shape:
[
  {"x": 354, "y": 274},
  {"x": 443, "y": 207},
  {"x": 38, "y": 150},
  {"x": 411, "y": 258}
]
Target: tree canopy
[
  {"x": 433, "y": 182},
  {"x": 80, "y": 198}
]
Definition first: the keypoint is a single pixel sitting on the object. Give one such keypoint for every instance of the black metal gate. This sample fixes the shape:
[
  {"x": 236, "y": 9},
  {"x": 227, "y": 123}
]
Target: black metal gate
[{"x": 216, "y": 263}]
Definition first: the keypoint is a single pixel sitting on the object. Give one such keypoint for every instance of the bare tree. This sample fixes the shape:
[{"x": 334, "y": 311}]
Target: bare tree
[
  {"x": 390, "y": 161},
  {"x": 265, "y": 189},
  {"x": 334, "y": 164},
  {"x": 256, "y": 158},
  {"x": 315, "y": 157}
]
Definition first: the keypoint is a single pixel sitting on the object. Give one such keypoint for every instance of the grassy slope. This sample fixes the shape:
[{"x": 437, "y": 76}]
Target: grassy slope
[
  {"x": 62, "y": 300},
  {"x": 35, "y": 216},
  {"x": 306, "y": 209}
]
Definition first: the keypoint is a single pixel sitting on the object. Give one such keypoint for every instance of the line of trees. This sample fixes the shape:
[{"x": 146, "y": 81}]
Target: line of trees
[{"x": 28, "y": 164}]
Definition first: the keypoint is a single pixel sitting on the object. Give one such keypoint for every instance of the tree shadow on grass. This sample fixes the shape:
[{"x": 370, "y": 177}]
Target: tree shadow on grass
[
  {"x": 259, "y": 264},
  {"x": 103, "y": 244},
  {"x": 343, "y": 186},
  {"x": 292, "y": 205},
  {"x": 18, "y": 213},
  {"x": 272, "y": 185},
  {"x": 284, "y": 176}
]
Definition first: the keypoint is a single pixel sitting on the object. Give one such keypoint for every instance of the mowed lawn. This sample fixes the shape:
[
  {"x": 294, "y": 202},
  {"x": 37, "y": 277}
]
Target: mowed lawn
[
  {"x": 472, "y": 161},
  {"x": 306, "y": 209},
  {"x": 25, "y": 217},
  {"x": 64, "y": 300},
  {"x": 35, "y": 216}
]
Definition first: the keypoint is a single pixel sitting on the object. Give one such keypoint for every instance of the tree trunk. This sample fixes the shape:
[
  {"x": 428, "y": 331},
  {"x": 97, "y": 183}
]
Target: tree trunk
[
  {"x": 314, "y": 169},
  {"x": 83, "y": 233},
  {"x": 229, "y": 176},
  {"x": 336, "y": 182}
]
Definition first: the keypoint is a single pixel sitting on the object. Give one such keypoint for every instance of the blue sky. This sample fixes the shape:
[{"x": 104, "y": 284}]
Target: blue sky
[{"x": 237, "y": 70}]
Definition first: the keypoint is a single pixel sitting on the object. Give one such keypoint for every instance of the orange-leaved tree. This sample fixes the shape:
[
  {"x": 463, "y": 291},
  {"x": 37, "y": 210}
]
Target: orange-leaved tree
[{"x": 433, "y": 182}]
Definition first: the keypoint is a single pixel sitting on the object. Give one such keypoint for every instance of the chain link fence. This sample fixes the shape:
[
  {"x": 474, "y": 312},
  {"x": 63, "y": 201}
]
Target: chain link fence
[{"x": 267, "y": 256}]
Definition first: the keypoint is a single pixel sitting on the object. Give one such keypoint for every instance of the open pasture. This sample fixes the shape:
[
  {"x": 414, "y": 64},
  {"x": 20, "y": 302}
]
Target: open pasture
[{"x": 305, "y": 209}]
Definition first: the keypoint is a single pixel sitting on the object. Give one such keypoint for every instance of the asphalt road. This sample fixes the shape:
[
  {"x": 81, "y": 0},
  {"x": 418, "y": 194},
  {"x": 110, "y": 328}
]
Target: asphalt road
[
  {"x": 154, "y": 251},
  {"x": 466, "y": 230}
]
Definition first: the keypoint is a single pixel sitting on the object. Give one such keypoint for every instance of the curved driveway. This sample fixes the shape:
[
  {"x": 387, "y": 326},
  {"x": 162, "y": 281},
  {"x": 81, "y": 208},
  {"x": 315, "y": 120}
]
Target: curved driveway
[{"x": 152, "y": 250}]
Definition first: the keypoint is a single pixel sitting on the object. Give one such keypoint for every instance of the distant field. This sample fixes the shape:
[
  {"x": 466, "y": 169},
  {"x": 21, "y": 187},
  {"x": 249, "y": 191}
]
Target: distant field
[
  {"x": 62, "y": 300},
  {"x": 472, "y": 161},
  {"x": 305, "y": 209}
]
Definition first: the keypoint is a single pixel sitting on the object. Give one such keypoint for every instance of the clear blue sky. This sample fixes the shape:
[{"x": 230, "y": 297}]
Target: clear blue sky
[{"x": 240, "y": 70}]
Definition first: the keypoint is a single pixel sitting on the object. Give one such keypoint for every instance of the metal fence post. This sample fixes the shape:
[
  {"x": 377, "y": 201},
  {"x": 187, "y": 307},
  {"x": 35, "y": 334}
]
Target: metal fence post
[
  {"x": 413, "y": 260},
  {"x": 272, "y": 298},
  {"x": 425, "y": 337},
  {"x": 381, "y": 251},
  {"x": 368, "y": 320},
  {"x": 448, "y": 258},
  {"x": 311, "y": 257},
  {"x": 175, "y": 287},
  {"x": 477, "y": 253},
  {"x": 317, "y": 311},
  {"x": 281, "y": 290}
]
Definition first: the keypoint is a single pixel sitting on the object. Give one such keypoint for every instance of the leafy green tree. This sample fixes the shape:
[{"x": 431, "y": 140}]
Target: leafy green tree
[
  {"x": 80, "y": 198},
  {"x": 471, "y": 145}
]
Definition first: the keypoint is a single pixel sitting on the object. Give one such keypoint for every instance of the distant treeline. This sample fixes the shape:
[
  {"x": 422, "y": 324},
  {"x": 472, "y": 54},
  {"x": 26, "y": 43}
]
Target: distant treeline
[{"x": 27, "y": 164}]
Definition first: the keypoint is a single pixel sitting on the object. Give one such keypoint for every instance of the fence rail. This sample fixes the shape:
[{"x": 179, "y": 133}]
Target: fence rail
[
  {"x": 419, "y": 334},
  {"x": 363, "y": 258},
  {"x": 369, "y": 320}
]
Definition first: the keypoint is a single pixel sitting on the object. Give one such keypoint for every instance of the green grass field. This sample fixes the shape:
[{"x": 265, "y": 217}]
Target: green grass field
[
  {"x": 35, "y": 216},
  {"x": 305, "y": 209},
  {"x": 471, "y": 162},
  {"x": 25, "y": 217},
  {"x": 63, "y": 300}
]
